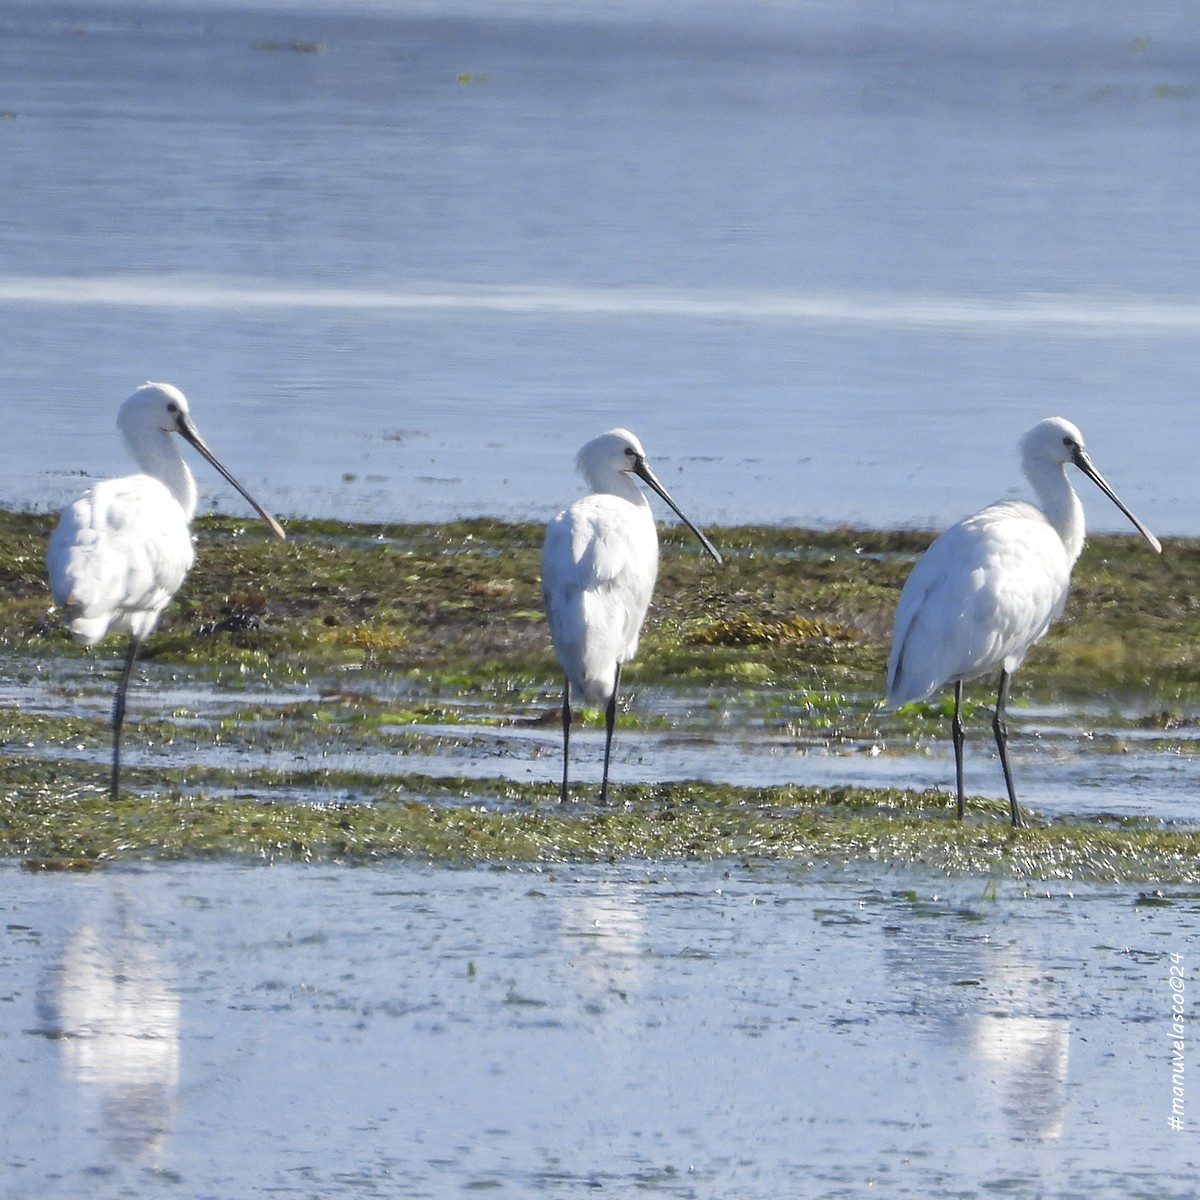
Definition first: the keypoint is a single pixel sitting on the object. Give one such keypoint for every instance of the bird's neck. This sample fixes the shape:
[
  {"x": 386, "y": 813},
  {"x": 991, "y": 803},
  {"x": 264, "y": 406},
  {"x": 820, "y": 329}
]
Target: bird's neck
[
  {"x": 182, "y": 487},
  {"x": 1060, "y": 505},
  {"x": 156, "y": 453},
  {"x": 618, "y": 483}
]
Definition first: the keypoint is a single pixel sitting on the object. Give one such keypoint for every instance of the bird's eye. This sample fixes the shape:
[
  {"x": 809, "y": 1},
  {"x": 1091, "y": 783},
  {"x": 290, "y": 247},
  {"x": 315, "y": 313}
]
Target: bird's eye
[
  {"x": 1070, "y": 442},
  {"x": 630, "y": 452},
  {"x": 172, "y": 407}
]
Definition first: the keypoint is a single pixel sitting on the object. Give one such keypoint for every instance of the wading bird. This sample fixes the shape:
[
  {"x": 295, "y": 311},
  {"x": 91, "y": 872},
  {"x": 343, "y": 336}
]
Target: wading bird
[
  {"x": 599, "y": 565},
  {"x": 989, "y": 587},
  {"x": 120, "y": 552}
]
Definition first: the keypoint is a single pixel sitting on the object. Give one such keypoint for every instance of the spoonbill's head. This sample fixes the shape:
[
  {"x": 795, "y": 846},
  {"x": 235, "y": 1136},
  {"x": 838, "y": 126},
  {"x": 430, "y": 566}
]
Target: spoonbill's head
[
  {"x": 1055, "y": 442},
  {"x": 154, "y": 407},
  {"x": 158, "y": 409},
  {"x": 618, "y": 452}
]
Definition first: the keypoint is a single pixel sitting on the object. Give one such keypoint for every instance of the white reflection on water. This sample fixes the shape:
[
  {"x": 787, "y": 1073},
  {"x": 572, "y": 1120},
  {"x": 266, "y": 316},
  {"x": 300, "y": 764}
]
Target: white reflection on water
[
  {"x": 1024, "y": 1060},
  {"x": 118, "y": 1013},
  {"x": 1005, "y": 1038},
  {"x": 1022, "y": 1054},
  {"x": 604, "y": 940}
]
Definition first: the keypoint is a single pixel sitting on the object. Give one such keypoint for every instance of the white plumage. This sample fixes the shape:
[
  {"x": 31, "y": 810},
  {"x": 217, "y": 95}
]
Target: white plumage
[
  {"x": 972, "y": 581},
  {"x": 599, "y": 566},
  {"x": 117, "y": 556},
  {"x": 120, "y": 552},
  {"x": 989, "y": 587}
]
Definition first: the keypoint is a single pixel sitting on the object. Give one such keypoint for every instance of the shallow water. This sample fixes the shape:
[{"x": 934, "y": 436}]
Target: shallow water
[
  {"x": 1069, "y": 760},
  {"x": 828, "y": 261},
  {"x": 679, "y": 1030}
]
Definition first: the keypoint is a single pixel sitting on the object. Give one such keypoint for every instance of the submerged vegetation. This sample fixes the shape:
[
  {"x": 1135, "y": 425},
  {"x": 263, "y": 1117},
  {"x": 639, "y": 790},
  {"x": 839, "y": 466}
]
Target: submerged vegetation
[
  {"x": 52, "y": 823},
  {"x": 366, "y": 643}
]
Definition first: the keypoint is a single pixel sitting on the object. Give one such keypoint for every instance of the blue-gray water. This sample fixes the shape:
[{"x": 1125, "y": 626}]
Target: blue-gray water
[
  {"x": 828, "y": 260},
  {"x": 674, "y": 1030}
]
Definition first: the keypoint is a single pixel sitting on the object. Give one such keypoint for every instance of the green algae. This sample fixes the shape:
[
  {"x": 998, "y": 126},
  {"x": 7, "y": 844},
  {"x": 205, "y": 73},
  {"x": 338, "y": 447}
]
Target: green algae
[
  {"x": 50, "y": 820},
  {"x": 395, "y": 628},
  {"x": 461, "y": 603}
]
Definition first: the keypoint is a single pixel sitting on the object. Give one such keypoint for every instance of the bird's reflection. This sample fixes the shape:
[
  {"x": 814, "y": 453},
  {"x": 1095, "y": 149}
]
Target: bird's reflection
[
  {"x": 1004, "y": 1034},
  {"x": 1026, "y": 1059},
  {"x": 1022, "y": 1050},
  {"x": 117, "y": 1014},
  {"x": 603, "y": 924}
]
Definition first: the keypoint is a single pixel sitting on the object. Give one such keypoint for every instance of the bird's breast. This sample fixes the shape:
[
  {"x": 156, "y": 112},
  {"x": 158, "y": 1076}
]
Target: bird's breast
[
  {"x": 978, "y": 598},
  {"x": 122, "y": 549}
]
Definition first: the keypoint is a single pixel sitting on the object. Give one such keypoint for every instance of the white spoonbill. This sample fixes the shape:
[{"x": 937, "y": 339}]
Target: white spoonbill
[
  {"x": 989, "y": 587},
  {"x": 120, "y": 552},
  {"x": 599, "y": 565}
]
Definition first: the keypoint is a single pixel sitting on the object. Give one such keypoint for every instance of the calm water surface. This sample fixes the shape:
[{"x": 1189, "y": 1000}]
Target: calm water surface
[
  {"x": 675, "y": 1030},
  {"x": 829, "y": 261}
]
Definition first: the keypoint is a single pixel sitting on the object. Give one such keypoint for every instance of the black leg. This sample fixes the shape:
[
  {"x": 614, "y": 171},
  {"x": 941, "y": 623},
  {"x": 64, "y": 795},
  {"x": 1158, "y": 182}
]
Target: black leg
[
  {"x": 960, "y": 737},
  {"x": 566, "y": 726},
  {"x": 119, "y": 715},
  {"x": 610, "y": 719},
  {"x": 1000, "y": 728}
]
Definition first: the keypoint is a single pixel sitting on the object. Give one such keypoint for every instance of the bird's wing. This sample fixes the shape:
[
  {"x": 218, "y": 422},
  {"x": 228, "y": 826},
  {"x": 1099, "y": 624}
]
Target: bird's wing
[
  {"x": 599, "y": 563},
  {"x": 979, "y": 597},
  {"x": 118, "y": 555}
]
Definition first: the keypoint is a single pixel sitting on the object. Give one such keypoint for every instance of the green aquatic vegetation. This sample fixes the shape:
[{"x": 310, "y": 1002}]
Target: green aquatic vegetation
[
  {"x": 459, "y": 605},
  {"x": 382, "y": 631},
  {"x": 47, "y": 819},
  {"x": 741, "y": 629}
]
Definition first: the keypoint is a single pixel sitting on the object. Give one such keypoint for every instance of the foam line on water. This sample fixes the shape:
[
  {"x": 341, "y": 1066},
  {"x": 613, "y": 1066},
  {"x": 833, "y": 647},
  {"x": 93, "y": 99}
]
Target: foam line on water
[{"x": 1031, "y": 312}]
